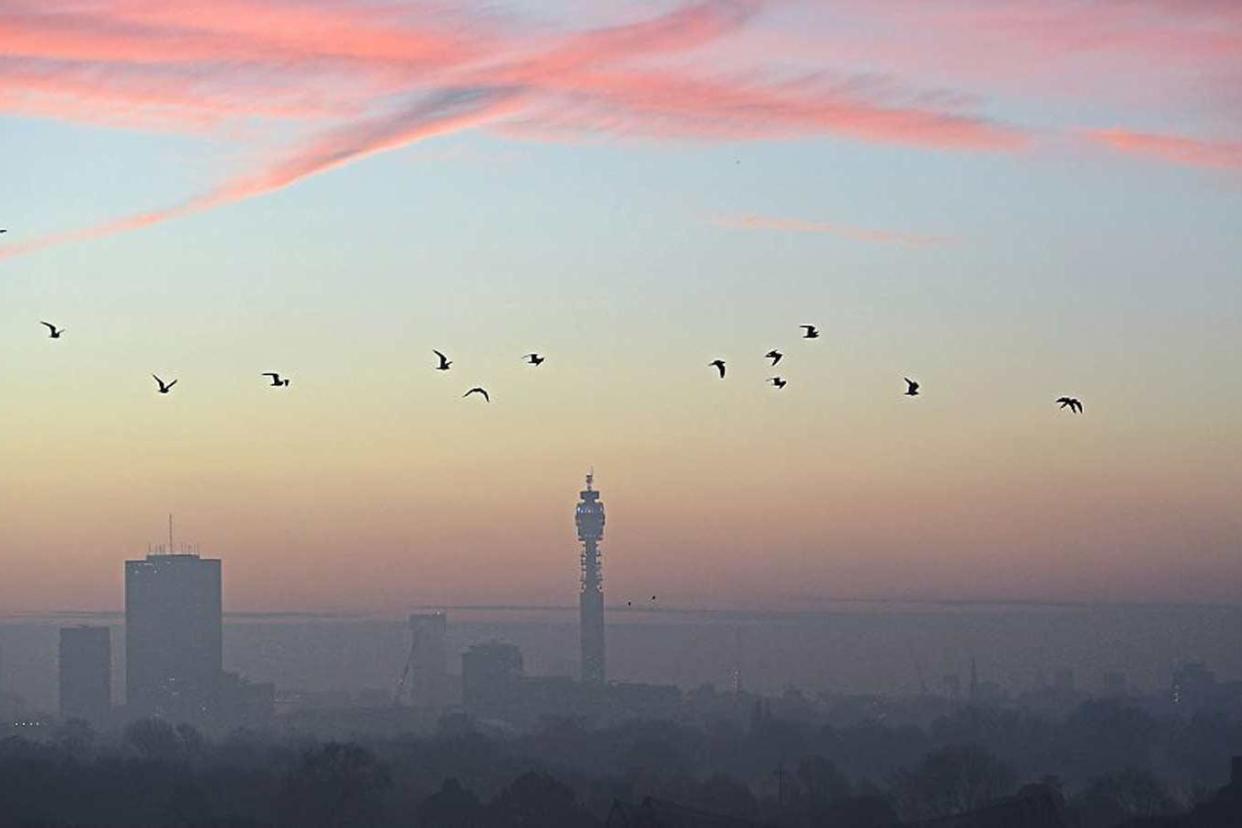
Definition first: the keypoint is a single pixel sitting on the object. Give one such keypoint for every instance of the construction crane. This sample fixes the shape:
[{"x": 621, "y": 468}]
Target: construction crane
[{"x": 404, "y": 681}]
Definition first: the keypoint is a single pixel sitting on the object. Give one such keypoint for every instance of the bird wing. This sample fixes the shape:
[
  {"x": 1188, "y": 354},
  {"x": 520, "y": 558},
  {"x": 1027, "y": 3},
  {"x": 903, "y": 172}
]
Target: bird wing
[
  {"x": 443, "y": 359},
  {"x": 49, "y": 326},
  {"x": 158, "y": 380},
  {"x": 271, "y": 374},
  {"x": 171, "y": 384}
]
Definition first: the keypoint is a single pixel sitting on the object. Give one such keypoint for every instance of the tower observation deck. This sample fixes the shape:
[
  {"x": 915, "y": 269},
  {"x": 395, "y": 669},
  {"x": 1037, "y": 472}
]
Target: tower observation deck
[{"x": 589, "y": 517}]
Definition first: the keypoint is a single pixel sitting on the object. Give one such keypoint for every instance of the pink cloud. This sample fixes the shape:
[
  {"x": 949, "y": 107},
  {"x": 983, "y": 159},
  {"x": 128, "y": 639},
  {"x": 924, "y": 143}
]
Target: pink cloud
[
  {"x": 1174, "y": 149},
  {"x": 846, "y": 231},
  {"x": 341, "y": 67},
  {"x": 449, "y": 112}
]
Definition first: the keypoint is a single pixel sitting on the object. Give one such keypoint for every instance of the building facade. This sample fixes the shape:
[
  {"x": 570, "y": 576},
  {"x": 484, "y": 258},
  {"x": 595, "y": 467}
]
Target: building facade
[
  {"x": 491, "y": 676},
  {"x": 173, "y": 637},
  {"x": 86, "y": 674},
  {"x": 425, "y": 679}
]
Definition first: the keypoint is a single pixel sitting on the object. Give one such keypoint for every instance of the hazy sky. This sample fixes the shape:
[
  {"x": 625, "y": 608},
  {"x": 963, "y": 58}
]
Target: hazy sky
[{"x": 1009, "y": 200}]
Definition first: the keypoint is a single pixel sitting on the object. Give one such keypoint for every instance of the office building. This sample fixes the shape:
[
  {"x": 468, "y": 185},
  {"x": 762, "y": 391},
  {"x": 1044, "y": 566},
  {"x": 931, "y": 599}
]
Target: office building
[
  {"x": 173, "y": 636},
  {"x": 86, "y": 674},
  {"x": 491, "y": 676},
  {"x": 425, "y": 679}
]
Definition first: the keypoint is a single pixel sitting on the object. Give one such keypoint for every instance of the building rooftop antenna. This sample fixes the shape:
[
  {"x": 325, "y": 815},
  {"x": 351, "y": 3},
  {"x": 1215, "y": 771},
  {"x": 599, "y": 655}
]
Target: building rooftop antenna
[{"x": 172, "y": 550}]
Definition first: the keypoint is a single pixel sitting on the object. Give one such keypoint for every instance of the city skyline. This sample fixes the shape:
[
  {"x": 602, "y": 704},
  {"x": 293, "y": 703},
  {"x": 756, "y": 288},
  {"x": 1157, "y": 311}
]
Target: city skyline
[{"x": 1007, "y": 203}]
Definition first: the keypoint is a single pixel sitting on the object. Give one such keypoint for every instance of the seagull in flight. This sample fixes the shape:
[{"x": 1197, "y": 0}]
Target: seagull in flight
[
  {"x": 277, "y": 380},
  {"x": 775, "y": 356},
  {"x": 534, "y": 359},
  {"x": 812, "y": 332},
  {"x": 445, "y": 362},
  {"x": 719, "y": 365},
  {"x": 912, "y": 387},
  {"x": 53, "y": 332},
  {"x": 477, "y": 390},
  {"x": 779, "y": 382},
  {"x": 1071, "y": 403},
  {"x": 165, "y": 387}
]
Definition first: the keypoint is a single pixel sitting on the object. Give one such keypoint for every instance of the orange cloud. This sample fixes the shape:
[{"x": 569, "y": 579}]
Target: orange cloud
[
  {"x": 867, "y": 234},
  {"x": 1174, "y": 149}
]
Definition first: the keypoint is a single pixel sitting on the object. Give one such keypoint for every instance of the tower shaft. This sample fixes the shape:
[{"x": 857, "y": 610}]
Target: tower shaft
[{"x": 589, "y": 518}]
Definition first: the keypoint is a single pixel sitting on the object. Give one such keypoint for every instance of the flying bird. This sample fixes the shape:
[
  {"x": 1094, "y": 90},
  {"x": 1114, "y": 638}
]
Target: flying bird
[
  {"x": 445, "y": 362},
  {"x": 1071, "y": 403},
  {"x": 912, "y": 387},
  {"x": 719, "y": 365},
  {"x": 3, "y": 231},
  {"x": 53, "y": 332},
  {"x": 534, "y": 359},
  {"x": 779, "y": 382},
  {"x": 812, "y": 332},
  {"x": 477, "y": 390},
  {"x": 774, "y": 355},
  {"x": 165, "y": 387},
  {"x": 277, "y": 380}
]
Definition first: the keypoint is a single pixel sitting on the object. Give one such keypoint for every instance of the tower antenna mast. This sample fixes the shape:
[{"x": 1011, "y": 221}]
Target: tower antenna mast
[{"x": 171, "y": 550}]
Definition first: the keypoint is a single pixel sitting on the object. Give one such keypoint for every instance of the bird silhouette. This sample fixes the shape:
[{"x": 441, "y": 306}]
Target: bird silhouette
[
  {"x": 719, "y": 365},
  {"x": 629, "y": 603},
  {"x": 277, "y": 380},
  {"x": 534, "y": 359},
  {"x": 774, "y": 355},
  {"x": 3, "y": 231},
  {"x": 445, "y": 362},
  {"x": 652, "y": 597},
  {"x": 1071, "y": 403},
  {"x": 477, "y": 390},
  {"x": 53, "y": 332},
  {"x": 912, "y": 387},
  {"x": 779, "y": 382},
  {"x": 165, "y": 387},
  {"x": 812, "y": 332}
]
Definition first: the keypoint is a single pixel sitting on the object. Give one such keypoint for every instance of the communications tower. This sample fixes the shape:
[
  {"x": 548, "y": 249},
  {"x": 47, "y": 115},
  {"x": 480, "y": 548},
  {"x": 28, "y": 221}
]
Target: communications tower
[{"x": 589, "y": 517}]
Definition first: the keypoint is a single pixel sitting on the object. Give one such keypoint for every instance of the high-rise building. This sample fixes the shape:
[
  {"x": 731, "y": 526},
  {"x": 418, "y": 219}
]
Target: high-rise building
[
  {"x": 491, "y": 675},
  {"x": 425, "y": 679},
  {"x": 86, "y": 673},
  {"x": 173, "y": 636},
  {"x": 589, "y": 517}
]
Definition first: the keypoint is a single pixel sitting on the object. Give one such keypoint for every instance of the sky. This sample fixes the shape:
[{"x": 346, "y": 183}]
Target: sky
[{"x": 1007, "y": 200}]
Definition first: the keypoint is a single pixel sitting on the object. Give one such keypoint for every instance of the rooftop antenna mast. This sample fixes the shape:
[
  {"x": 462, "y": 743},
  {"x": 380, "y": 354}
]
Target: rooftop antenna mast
[{"x": 171, "y": 549}]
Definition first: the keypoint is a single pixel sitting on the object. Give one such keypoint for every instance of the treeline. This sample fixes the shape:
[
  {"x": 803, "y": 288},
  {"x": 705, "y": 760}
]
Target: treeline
[{"x": 1111, "y": 763}]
